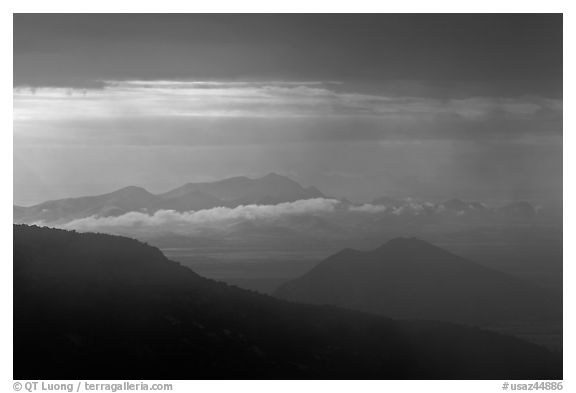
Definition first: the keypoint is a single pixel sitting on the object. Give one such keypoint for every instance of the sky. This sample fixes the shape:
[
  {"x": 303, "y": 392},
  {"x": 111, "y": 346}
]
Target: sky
[{"x": 361, "y": 106}]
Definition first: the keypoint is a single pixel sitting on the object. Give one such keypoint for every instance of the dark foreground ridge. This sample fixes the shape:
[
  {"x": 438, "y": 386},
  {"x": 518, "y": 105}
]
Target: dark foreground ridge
[{"x": 92, "y": 306}]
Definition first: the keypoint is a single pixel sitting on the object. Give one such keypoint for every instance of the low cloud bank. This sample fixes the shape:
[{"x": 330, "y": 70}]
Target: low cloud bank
[
  {"x": 326, "y": 213},
  {"x": 192, "y": 221},
  {"x": 369, "y": 208}
]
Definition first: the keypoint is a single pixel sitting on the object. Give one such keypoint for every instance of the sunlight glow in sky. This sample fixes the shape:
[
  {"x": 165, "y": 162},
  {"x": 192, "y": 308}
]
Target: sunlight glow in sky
[{"x": 360, "y": 110}]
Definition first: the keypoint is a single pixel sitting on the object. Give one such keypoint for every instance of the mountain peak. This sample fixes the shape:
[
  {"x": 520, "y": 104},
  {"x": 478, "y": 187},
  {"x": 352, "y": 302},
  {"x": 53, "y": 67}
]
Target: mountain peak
[
  {"x": 272, "y": 176},
  {"x": 406, "y": 242},
  {"x": 411, "y": 278},
  {"x": 407, "y": 246},
  {"x": 405, "y": 239},
  {"x": 131, "y": 190},
  {"x": 231, "y": 192}
]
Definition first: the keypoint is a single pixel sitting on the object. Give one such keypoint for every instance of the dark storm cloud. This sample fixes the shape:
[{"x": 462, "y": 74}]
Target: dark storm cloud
[{"x": 503, "y": 54}]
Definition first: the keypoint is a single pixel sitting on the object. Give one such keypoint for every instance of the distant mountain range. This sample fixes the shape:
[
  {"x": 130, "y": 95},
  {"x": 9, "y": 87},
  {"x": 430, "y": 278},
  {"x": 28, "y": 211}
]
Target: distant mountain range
[
  {"x": 94, "y": 306},
  {"x": 231, "y": 192},
  {"x": 271, "y": 189},
  {"x": 410, "y": 278}
]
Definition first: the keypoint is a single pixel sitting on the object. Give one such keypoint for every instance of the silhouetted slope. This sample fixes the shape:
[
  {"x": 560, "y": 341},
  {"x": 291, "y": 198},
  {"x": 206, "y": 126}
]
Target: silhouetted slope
[
  {"x": 410, "y": 278},
  {"x": 232, "y": 192},
  {"x": 92, "y": 306}
]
